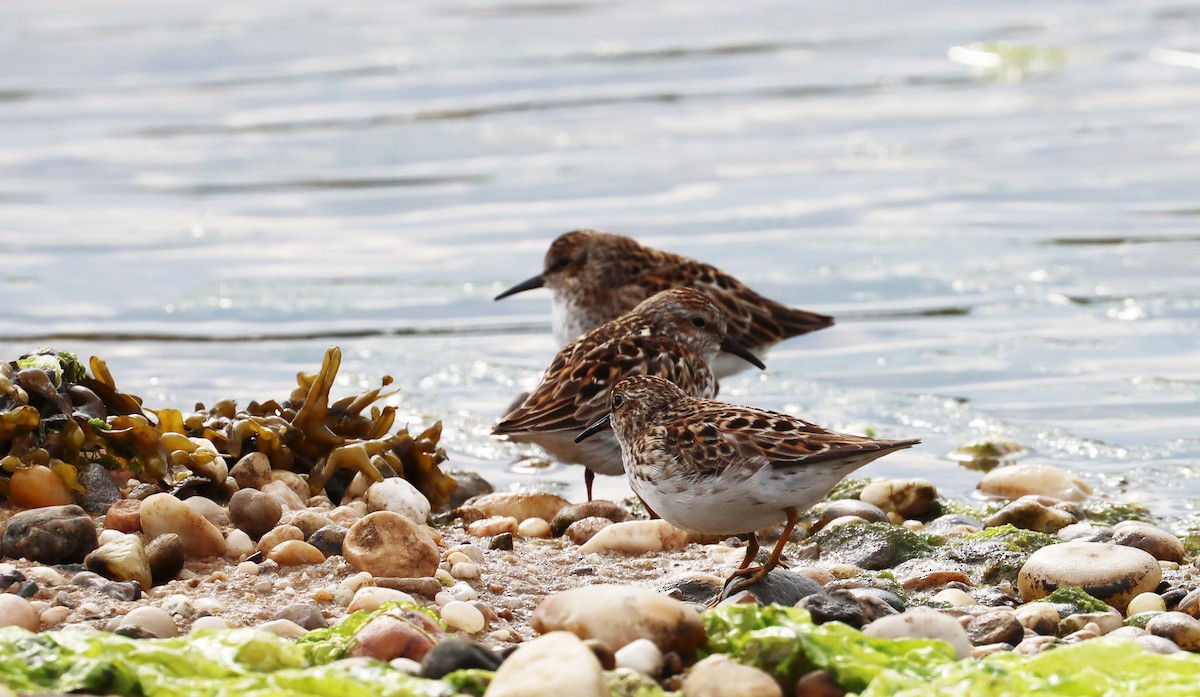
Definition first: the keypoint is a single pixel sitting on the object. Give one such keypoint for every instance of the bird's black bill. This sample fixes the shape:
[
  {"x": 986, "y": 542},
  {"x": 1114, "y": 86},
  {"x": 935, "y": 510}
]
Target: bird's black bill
[
  {"x": 528, "y": 284},
  {"x": 598, "y": 425},
  {"x": 730, "y": 345}
]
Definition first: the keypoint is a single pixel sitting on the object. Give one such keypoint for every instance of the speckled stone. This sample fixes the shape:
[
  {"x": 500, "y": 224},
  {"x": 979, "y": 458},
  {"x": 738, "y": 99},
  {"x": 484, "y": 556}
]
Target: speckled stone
[
  {"x": 996, "y": 627},
  {"x": 329, "y": 540},
  {"x": 163, "y": 513},
  {"x": 253, "y": 471},
  {"x": 254, "y": 512},
  {"x": 1155, "y": 541},
  {"x": 1180, "y": 628},
  {"x": 1111, "y": 573},
  {"x": 123, "y": 559},
  {"x": 1028, "y": 513},
  {"x": 388, "y": 544},
  {"x": 519, "y": 505},
  {"x": 51, "y": 535},
  {"x": 166, "y": 556},
  {"x": 100, "y": 492},
  {"x": 599, "y": 508}
]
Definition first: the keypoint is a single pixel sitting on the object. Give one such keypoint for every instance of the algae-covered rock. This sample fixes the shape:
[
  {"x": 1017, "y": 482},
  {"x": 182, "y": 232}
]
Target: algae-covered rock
[{"x": 871, "y": 546}]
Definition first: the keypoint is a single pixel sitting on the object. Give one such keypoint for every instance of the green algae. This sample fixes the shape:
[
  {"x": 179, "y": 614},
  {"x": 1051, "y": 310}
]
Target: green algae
[
  {"x": 1077, "y": 598},
  {"x": 1015, "y": 539},
  {"x": 848, "y": 488}
]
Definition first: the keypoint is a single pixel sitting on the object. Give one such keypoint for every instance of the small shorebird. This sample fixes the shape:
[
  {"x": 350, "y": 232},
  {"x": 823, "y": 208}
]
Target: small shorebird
[
  {"x": 724, "y": 469},
  {"x": 675, "y": 334},
  {"x": 594, "y": 277}
]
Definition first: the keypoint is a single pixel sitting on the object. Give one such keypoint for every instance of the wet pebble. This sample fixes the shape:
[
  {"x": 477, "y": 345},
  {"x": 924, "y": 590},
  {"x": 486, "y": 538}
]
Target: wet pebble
[
  {"x": 124, "y": 515},
  {"x": 910, "y": 498},
  {"x": 783, "y": 587},
  {"x": 836, "y": 606},
  {"x": 462, "y": 616},
  {"x": 163, "y": 513},
  {"x": 398, "y": 496},
  {"x": 599, "y": 508},
  {"x": 997, "y": 627},
  {"x": 503, "y": 542},
  {"x": 51, "y": 535},
  {"x": 849, "y": 507},
  {"x": 388, "y": 544},
  {"x": 1015, "y": 481},
  {"x": 584, "y": 529},
  {"x": 954, "y": 523},
  {"x": 18, "y": 612},
  {"x": 295, "y": 553},
  {"x": 519, "y": 505},
  {"x": 166, "y": 556},
  {"x": 954, "y": 596},
  {"x": 253, "y": 471},
  {"x": 1182, "y": 629},
  {"x": 457, "y": 654},
  {"x": 637, "y": 537},
  {"x": 329, "y": 540},
  {"x": 1189, "y": 603},
  {"x": 1100, "y": 622},
  {"x": 254, "y": 512},
  {"x": 717, "y": 676},
  {"x": 123, "y": 559},
  {"x": 693, "y": 586},
  {"x": 557, "y": 658},
  {"x": 307, "y": 616},
  {"x": 1028, "y": 513},
  {"x": 493, "y": 526},
  {"x": 1155, "y": 541},
  {"x": 645, "y": 614},
  {"x": 100, "y": 492},
  {"x": 1112, "y": 573}
]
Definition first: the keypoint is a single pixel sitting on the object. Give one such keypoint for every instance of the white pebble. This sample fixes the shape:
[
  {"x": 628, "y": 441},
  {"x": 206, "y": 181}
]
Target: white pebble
[
  {"x": 17, "y": 611},
  {"x": 442, "y": 598},
  {"x": 443, "y": 577},
  {"x": 955, "y": 596},
  {"x": 464, "y": 616},
  {"x": 283, "y": 628},
  {"x": 1146, "y": 602},
  {"x": 641, "y": 655},
  {"x": 473, "y": 552},
  {"x": 150, "y": 619},
  {"x": 178, "y": 605},
  {"x": 108, "y": 535},
  {"x": 207, "y": 606},
  {"x": 247, "y": 568},
  {"x": 453, "y": 558},
  {"x": 371, "y": 597},
  {"x": 90, "y": 609},
  {"x": 347, "y": 588},
  {"x": 211, "y": 622},
  {"x": 406, "y": 665},
  {"x": 534, "y": 527},
  {"x": 463, "y": 591},
  {"x": 465, "y": 569},
  {"x": 216, "y": 514},
  {"x": 238, "y": 544},
  {"x": 398, "y": 496}
]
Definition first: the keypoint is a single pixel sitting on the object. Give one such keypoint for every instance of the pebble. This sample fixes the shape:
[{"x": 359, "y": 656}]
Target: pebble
[
  {"x": 163, "y": 513},
  {"x": 152, "y": 621},
  {"x": 38, "y": 487},
  {"x": 1157, "y": 644},
  {"x": 503, "y": 541},
  {"x": 107, "y": 536},
  {"x": 910, "y": 498},
  {"x": 427, "y": 587},
  {"x": 278, "y": 536},
  {"x": 996, "y": 627},
  {"x": 849, "y": 507},
  {"x": 121, "y": 560},
  {"x": 284, "y": 494},
  {"x": 247, "y": 568},
  {"x": 304, "y": 615},
  {"x": 534, "y": 527},
  {"x": 254, "y": 512},
  {"x": 398, "y": 634},
  {"x": 1112, "y": 573},
  {"x": 493, "y": 526},
  {"x": 463, "y": 616},
  {"x": 388, "y": 544},
  {"x": 348, "y": 514},
  {"x": 344, "y": 593},
  {"x": 214, "y": 512},
  {"x": 238, "y": 545},
  {"x": 398, "y": 495},
  {"x": 469, "y": 485},
  {"x": 1015, "y": 481},
  {"x": 166, "y": 556},
  {"x": 253, "y": 471},
  {"x": 124, "y": 515},
  {"x": 640, "y": 655},
  {"x": 210, "y": 622},
  {"x": 51, "y": 535},
  {"x": 309, "y": 521},
  {"x": 835, "y": 606},
  {"x": 371, "y": 597},
  {"x": 637, "y": 537},
  {"x": 520, "y": 505},
  {"x": 922, "y": 623},
  {"x": 585, "y": 529},
  {"x": 457, "y": 654},
  {"x": 1100, "y": 622},
  {"x": 783, "y": 587},
  {"x": 1190, "y": 603},
  {"x": 588, "y": 612},
  {"x": 53, "y": 616},
  {"x": 100, "y": 492},
  {"x": 18, "y": 612},
  {"x": 559, "y": 659},
  {"x": 295, "y": 553},
  {"x": 178, "y": 605},
  {"x": 955, "y": 596},
  {"x": 1180, "y": 628},
  {"x": 717, "y": 676},
  {"x": 1039, "y": 618},
  {"x": 568, "y": 516},
  {"x": 1145, "y": 602},
  {"x": 283, "y": 628},
  {"x": 1028, "y": 513},
  {"x": 465, "y": 569},
  {"x": 1157, "y": 542},
  {"x": 329, "y": 540}
]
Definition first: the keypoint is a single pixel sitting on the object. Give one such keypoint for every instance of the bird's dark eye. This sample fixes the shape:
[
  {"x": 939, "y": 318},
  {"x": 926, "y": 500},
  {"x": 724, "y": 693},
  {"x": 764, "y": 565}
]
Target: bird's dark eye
[
  {"x": 617, "y": 400},
  {"x": 699, "y": 322}
]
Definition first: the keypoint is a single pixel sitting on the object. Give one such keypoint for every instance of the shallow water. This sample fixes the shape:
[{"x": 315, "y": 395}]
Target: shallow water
[{"x": 997, "y": 201}]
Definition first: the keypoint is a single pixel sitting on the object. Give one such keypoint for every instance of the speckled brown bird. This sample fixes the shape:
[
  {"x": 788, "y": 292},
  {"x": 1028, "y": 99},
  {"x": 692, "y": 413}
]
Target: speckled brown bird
[
  {"x": 594, "y": 277},
  {"x": 675, "y": 334},
  {"x": 716, "y": 468}
]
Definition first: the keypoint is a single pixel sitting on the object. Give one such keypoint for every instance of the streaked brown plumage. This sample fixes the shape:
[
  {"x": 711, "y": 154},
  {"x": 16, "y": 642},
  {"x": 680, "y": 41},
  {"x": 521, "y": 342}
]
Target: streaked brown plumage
[{"x": 596, "y": 276}]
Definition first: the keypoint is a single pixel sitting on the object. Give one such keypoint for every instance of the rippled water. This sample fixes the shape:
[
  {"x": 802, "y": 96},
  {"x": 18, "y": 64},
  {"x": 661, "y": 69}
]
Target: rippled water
[{"x": 997, "y": 200}]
